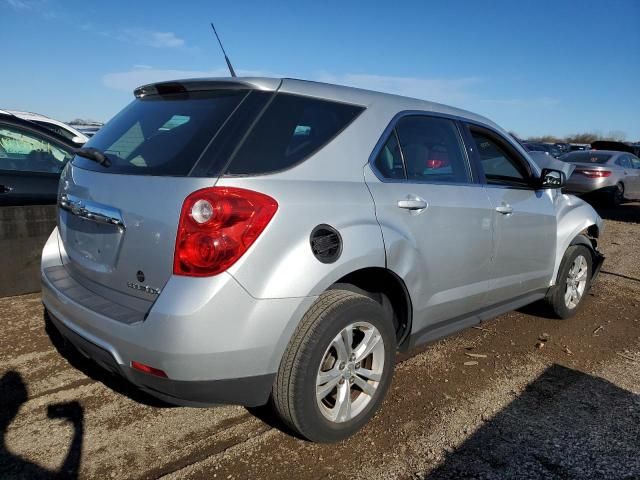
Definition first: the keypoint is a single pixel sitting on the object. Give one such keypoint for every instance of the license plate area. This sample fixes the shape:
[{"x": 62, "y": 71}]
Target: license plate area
[{"x": 93, "y": 245}]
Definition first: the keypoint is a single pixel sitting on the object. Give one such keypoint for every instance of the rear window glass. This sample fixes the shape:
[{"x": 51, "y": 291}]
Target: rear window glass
[
  {"x": 162, "y": 134},
  {"x": 292, "y": 128},
  {"x": 586, "y": 157}
]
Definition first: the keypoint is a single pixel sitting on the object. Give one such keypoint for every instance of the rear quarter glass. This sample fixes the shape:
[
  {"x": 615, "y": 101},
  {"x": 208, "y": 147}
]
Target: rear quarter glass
[
  {"x": 162, "y": 135},
  {"x": 290, "y": 130}
]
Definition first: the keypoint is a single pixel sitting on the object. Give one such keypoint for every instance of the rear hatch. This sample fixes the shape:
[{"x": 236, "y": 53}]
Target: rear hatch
[{"x": 118, "y": 223}]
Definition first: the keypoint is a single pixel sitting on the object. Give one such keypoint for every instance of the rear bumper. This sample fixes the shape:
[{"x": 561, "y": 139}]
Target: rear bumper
[
  {"x": 584, "y": 185},
  {"x": 249, "y": 391},
  {"x": 215, "y": 342}
]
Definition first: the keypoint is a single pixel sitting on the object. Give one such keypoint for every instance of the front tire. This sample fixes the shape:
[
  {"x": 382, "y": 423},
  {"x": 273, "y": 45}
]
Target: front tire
[
  {"x": 573, "y": 282},
  {"x": 337, "y": 368}
]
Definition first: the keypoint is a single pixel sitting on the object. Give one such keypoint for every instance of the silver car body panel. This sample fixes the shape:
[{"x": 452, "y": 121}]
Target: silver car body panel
[
  {"x": 457, "y": 258},
  {"x": 574, "y": 216},
  {"x": 215, "y": 331}
]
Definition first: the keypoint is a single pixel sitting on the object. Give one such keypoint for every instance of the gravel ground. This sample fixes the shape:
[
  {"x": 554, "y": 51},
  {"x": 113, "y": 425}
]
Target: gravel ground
[{"x": 551, "y": 399}]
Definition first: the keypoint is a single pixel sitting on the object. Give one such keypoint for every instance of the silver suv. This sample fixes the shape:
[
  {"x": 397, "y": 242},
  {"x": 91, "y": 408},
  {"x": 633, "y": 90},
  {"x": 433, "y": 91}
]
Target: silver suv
[{"x": 241, "y": 240}]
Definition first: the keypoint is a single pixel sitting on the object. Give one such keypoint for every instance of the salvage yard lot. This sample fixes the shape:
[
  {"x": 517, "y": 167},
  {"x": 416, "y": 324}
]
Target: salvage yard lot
[{"x": 546, "y": 399}]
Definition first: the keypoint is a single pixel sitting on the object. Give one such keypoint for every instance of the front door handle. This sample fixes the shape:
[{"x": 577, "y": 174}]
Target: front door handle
[
  {"x": 5, "y": 189},
  {"x": 505, "y": 209},
  {"x": 414, "y": 203}
]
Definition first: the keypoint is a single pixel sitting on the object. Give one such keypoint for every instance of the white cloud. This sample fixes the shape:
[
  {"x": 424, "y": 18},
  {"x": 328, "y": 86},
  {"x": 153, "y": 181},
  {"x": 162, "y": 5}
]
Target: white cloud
[
  {"x": 31, "y": 7},
  {"x": 522, "y": 102},
  {"x": 149, "y": 38},
  {"x": 447, "y": 90},
  {"x": 21, "y": 4},
  {"x": 434, "y": 89}
]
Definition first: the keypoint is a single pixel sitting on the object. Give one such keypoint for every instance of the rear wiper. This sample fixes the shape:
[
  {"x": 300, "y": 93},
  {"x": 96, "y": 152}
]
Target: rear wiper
[{"x": 95, "y": 155}]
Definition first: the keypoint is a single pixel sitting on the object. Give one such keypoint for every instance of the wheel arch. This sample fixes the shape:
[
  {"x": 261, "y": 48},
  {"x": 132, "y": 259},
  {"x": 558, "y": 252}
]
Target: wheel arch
[
  {"x": 578, "y": 223},
  {"x": 387, "y": 288}
]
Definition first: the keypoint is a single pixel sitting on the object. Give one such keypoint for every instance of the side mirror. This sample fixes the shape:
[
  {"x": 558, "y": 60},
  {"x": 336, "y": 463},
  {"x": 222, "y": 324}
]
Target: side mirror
[
  {"x": 552, "y": 178},
  {"x": 78, "y": 140}
]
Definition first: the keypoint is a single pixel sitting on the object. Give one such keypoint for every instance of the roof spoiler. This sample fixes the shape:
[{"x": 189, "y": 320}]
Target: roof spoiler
[{"x": 204, "y": 84}]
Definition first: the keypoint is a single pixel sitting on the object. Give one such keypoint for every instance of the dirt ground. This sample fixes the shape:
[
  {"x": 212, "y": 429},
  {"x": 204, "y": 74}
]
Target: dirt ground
[{"x": 551, "y": 399}]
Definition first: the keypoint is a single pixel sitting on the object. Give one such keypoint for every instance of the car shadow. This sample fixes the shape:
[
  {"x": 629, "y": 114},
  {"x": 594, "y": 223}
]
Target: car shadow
[
  {"x": 13, "y": 394},
  {"x": 626, "y": 212},
  {"x": 538, "y": 309},
  {"x": 95, "y": 372},
  {"x": 566, "y": 424},
  {"x": 265, "y": 413}
]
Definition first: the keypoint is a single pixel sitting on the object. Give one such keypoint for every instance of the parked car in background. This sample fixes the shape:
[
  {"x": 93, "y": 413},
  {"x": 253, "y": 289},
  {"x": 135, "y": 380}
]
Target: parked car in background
[
  {"x": 31, "y": 159},
  {"x": 579, "y": 146},
  {"x": 563, "y": 147},
  {"x": 88, "y": 129},
  {"x": 616, "y": 146},
  {"x": 548, "y": 148},
  {"x": 61, "y": 128},
  {"x": 239, "y": 239},
  {"x": 612, "y": 174}
]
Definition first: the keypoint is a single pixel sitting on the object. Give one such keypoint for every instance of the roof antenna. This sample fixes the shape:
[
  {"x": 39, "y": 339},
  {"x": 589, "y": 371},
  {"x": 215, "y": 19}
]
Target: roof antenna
[{"x": 231, "y": 71}]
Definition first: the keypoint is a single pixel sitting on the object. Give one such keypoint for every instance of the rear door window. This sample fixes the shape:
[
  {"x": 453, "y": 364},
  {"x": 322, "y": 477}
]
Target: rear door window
[
  {"x": 432, "y": 150},
  {"x": 624, "y": 161},
  {"x": 162, "y": 134},
  {"x": 291, "y": 129}
]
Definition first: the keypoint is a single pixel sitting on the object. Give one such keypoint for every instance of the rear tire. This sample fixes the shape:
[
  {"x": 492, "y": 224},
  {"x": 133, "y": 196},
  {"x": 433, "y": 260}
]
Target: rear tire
[
  {"x": 573, "y": 282},
  {"x": 617, "y": 195},
  {"x": 331, "y": 382}
]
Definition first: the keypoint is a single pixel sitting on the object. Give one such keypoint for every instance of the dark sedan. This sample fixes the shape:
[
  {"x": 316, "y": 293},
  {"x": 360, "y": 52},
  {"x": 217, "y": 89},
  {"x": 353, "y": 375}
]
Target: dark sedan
[{"x": 31, "y": 158}]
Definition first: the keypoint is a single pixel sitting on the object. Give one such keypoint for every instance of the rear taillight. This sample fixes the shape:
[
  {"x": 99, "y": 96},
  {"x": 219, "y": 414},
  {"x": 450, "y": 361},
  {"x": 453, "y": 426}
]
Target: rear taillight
[
  {"x": 594, "y": 173},
  {"x": 217, "y": 225}
]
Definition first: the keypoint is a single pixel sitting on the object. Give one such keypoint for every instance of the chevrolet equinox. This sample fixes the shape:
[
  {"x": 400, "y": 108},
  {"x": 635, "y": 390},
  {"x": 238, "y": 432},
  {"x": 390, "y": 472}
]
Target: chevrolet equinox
[{"x": 246, "y": 240}]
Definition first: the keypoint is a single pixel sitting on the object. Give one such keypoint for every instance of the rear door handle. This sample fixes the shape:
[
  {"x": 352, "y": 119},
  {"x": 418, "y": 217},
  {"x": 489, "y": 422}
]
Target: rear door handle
[
  {"x": 505, "y": 209},
  {"x": 5, "y": 189},
  {"x": 414, "y": 203}
]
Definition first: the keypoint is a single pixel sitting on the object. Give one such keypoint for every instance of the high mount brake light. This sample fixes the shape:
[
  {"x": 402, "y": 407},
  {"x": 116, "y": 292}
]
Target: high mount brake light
[
  {"x": 594, "y": 173},
  {"x": 217, "y": 226}
]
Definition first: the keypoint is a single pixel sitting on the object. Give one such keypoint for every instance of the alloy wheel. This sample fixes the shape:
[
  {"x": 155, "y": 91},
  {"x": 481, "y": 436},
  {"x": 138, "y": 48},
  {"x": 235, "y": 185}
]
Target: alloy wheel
[
  {"x": 576, "y": 282},
  {"x": 350, "y": 372}
]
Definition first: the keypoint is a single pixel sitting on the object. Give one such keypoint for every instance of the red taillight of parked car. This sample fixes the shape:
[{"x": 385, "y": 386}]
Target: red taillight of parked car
[
  {"x": 594, "y": 173},
  {"x": 217, "y": 226}
]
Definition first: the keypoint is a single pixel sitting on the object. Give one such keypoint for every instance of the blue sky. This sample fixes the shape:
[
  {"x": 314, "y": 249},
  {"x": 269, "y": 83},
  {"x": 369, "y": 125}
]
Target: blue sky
[{"x": 557, "y": 67}]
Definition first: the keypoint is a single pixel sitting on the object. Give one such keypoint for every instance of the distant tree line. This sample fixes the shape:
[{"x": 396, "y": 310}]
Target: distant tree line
[{"x": 586, "y": 137}]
